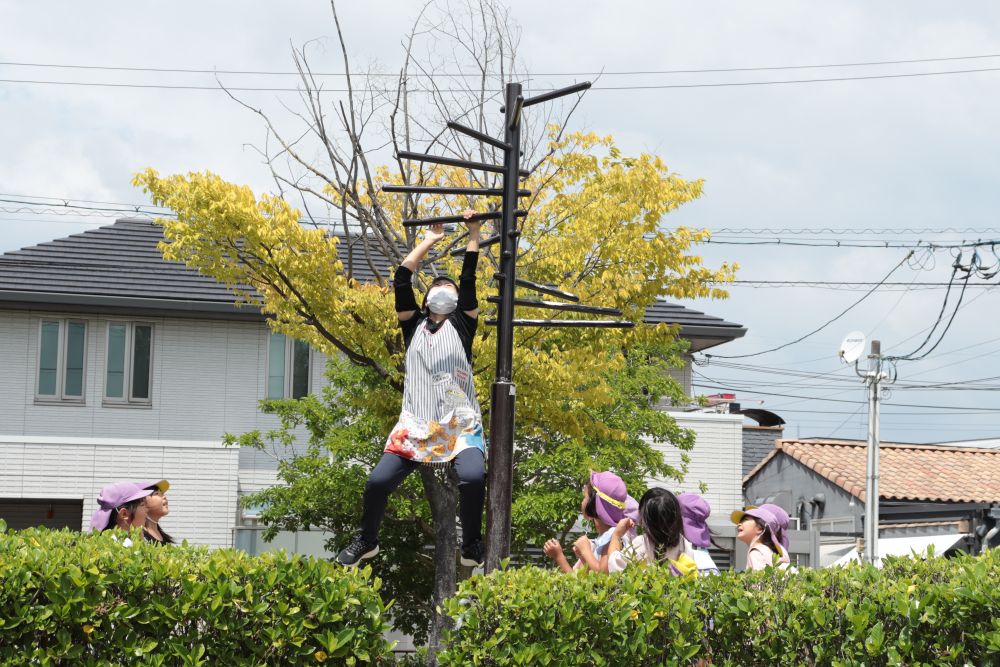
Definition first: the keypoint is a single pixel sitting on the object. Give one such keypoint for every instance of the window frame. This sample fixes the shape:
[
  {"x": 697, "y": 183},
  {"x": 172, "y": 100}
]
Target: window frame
[
  {"x": 62, "y": 354},
  {"x": 289, "y": 367},
  {"x": 128, "y": 378}
]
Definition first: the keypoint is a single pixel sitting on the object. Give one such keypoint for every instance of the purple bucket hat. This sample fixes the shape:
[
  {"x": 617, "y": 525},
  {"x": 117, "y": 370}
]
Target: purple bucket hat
[
  {"x": 613, "y": 502},
  {"x": 114, "y": 496},
  {"x": 694, "y": 517},
  {"x": 160, "y": 485},
  {"x": 772, "y": 524},
  {"x": 781, "y": 523}
]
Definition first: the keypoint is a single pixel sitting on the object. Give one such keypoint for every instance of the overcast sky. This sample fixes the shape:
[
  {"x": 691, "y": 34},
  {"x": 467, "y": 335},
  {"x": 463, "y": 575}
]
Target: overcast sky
[{"x": 903, "y": 153}]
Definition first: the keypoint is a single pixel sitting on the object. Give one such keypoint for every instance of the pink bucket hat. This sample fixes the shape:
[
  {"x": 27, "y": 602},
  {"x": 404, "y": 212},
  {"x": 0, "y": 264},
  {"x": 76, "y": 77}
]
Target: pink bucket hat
[
  {"x": 781, "y": 523},
  {"x": 160, "y": 485},
  {"x": 613, "y": 502},
  {"x": 772, "y": 523},
  {"x": 694, "y": 519},
  {"x": 114, "y": 496}
]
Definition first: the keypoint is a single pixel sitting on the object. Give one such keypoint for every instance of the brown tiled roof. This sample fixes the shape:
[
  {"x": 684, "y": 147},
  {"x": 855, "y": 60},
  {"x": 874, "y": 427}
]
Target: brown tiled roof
[{"x": 930, "y": 473}]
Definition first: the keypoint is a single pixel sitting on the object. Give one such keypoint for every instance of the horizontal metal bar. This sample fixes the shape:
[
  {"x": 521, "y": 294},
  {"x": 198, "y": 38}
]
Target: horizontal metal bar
[
  {"x": 493, "y": 240},
  {"x": 551, "y": 291},
  {"x": 442, "y": 219},
  {"x": 558, "y": 305},
  {"x": 455, "y": 162},
  {"x": 575, "y": 324},
  {"x": 551, "y": 95},
  {"x": 449, "y": 190},
  {"x": 476, "y": 134}
]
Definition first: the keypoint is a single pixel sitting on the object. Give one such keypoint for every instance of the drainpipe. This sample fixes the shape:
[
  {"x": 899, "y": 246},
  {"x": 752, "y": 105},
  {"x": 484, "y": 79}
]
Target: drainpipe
[{"x": 989, "y": 536}]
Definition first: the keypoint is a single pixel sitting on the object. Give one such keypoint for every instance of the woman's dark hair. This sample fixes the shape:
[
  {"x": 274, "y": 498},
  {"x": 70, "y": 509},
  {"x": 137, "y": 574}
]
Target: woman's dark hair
[
  {"x": 590, "y": 509},
  {"x": 130, "y": 507},
  {"x": 440, "y": 280},
  {"x": 660, "y": 516}
]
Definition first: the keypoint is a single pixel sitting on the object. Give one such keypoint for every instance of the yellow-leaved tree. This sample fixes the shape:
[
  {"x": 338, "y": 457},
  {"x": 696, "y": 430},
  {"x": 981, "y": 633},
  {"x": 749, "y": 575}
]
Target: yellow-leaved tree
[{"x": 597, "y": 226}]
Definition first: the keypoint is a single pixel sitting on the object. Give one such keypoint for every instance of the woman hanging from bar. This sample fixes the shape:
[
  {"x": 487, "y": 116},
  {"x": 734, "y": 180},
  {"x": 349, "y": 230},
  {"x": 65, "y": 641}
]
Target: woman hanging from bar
[{"x": 440, "y": 423}]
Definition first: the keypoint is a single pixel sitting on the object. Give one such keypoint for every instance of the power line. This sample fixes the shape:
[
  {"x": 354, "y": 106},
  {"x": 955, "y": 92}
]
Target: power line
[
  {"x": 477, "y": 75},
  {"x": 833, "y": 243},
  {"x": 917, "y": 355},
  {"x": 132, "y": 208},
  {"x": 721, "y": 84},
  {"x": 886, "y": 414},
  {"x": 841, "y": 400},
  {"x": 729, "y": 84},
  {"x": 770, "y": 284},
  {"x": 63, "y": 200},
  {"x": 822, "y": 326},
  {"x": 747, "y": 231}
]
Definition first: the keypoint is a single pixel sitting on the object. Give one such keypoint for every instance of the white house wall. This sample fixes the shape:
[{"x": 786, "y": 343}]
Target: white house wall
[
  {"x": 206, "y": 380},
  {"x": 202, "y": 475},
  {"x": 716, "y": 460}
]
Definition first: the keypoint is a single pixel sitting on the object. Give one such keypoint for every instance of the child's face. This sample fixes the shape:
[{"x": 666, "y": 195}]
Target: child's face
[
  {"x": 748, "y": 530},
  {"x": 157, "y": 505}
]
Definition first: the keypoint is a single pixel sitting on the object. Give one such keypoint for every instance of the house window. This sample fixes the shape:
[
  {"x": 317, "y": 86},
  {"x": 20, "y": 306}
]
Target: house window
[
  {"x": 287, "y": 367},
  {"x": 129, "y": 363},
  {"x": 62, "y": 355}
]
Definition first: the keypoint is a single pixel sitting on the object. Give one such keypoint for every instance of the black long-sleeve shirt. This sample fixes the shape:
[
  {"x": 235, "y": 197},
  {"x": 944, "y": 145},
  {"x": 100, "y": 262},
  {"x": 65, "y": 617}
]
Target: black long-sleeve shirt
[{"x": 465, "y": 326}]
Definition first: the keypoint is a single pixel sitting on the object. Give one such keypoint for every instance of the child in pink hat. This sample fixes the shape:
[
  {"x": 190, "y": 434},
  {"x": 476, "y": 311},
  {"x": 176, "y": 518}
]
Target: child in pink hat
[
  {"x": 605, "y": 502},
  {"x": 763, "y": 531}
]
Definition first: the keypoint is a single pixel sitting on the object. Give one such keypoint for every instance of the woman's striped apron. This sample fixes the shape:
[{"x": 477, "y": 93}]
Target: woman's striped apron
[{"x": 441, "y": 415}]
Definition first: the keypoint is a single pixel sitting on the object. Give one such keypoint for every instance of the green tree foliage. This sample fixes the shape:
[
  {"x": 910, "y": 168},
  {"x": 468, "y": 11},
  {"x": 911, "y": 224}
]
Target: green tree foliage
[
  {"x": 68, "y": 598},
  {"x": 322, "y": 487},
  {"x": 912, "y": 612}
]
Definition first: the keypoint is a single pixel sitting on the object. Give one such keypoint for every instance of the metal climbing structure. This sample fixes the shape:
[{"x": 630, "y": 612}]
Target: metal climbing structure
[{"x": 503, "y": 393}]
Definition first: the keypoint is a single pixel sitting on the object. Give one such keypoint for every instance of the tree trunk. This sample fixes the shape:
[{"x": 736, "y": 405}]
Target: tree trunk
[{"x": 443, "y": 498}]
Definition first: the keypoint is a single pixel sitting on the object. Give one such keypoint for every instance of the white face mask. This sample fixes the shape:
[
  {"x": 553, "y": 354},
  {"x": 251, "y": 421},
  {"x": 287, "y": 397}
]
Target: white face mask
[{"x": 442, "y": 300}]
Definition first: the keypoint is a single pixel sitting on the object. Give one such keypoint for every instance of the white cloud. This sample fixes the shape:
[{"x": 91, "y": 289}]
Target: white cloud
[{"x": 919, "y": 152}]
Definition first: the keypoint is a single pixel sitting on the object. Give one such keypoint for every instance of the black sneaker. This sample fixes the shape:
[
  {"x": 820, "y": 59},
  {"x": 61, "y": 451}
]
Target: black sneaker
[
  {"x": 473, "y": 554},
  {"x": 356, "y": 551}
]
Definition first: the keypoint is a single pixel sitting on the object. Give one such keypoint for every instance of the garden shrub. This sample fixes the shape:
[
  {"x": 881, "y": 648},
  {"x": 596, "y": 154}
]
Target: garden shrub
[
  {"x": 68, "y": 598},
  {"x": 912, "y": 612}
]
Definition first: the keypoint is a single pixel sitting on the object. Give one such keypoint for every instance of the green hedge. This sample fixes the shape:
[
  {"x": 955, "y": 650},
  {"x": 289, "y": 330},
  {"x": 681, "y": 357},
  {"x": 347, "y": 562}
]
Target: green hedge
[
  {"x": 68, "y": 598},
  {"x": 913, "y": 612}
]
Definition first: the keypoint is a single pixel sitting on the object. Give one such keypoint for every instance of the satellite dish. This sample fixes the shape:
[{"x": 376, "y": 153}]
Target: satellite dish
[{"x": 852, "y": 347}]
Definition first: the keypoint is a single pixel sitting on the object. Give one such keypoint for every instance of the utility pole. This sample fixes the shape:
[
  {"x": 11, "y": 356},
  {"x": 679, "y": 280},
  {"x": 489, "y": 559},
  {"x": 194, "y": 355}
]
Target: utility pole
[{"x": 873, "y": 378}]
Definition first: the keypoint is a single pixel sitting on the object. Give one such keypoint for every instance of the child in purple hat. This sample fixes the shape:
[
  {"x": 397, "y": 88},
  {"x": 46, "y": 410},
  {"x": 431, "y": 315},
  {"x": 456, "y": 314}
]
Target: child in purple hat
[
  {"x": 119, "y": 506},
  {"x": 762, "y": 531},
  {"x": 695, "y": 511},
  {"x": 662, "y": 540},
  {"x": 605, "y": 502}
]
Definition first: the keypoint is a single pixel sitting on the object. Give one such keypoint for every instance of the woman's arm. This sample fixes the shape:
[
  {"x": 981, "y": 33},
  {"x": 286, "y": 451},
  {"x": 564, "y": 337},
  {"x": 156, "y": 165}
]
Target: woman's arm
[
  {"x": 467, "y": 302},
  {"x": 435, "y": 234},
  {"x": 406, "y": 303}
]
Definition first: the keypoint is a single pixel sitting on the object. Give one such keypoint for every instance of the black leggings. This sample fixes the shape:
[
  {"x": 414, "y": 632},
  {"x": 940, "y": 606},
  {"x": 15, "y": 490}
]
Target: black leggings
[{"x": 392, "y": 470}]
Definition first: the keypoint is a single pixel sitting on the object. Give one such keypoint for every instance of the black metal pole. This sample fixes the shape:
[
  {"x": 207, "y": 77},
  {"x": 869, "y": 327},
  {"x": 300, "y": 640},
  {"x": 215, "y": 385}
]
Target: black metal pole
[{"x": 501, "y": 446}]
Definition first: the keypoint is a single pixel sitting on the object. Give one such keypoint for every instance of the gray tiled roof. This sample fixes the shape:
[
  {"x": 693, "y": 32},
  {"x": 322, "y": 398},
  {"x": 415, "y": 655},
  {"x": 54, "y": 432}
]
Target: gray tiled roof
[{"x": 119, "y": 267}]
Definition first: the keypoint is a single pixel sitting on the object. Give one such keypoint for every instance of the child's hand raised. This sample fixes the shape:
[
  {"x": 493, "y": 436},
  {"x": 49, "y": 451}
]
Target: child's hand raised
[
  {"x": 582, "y": 546},
  {"x": 623, "y": 527},
  {"x": 553, "y": 549}
]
